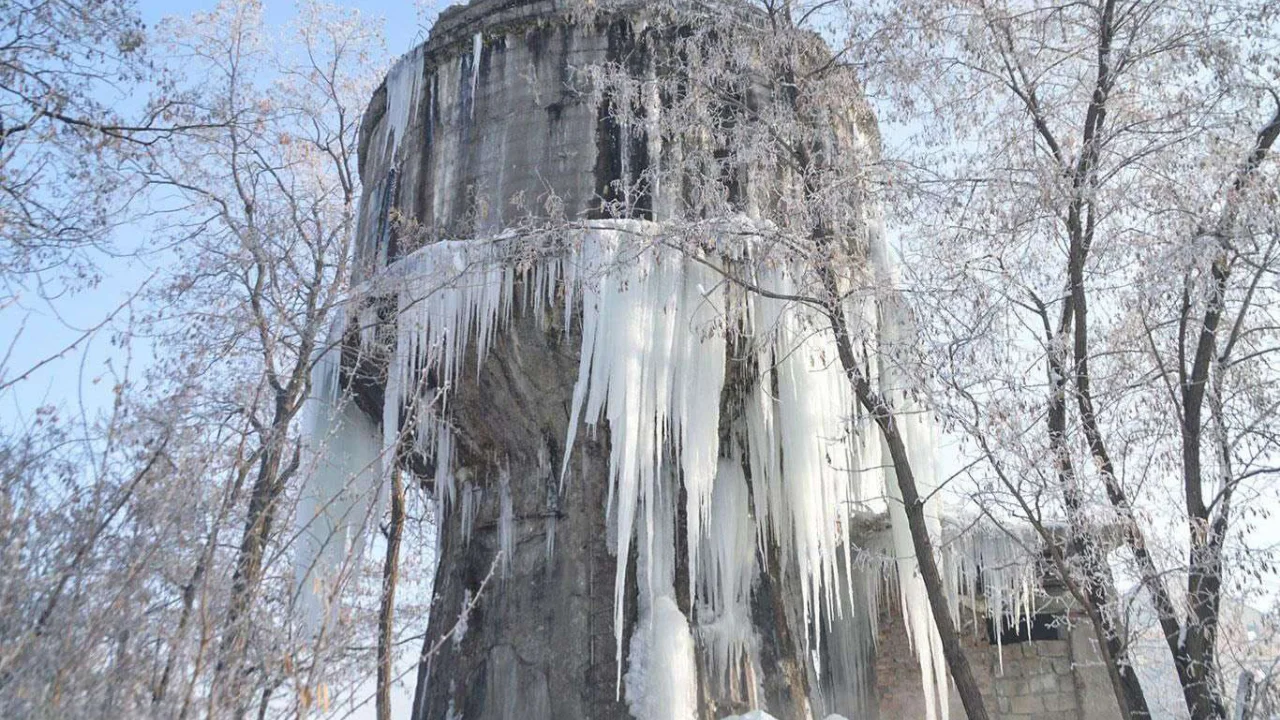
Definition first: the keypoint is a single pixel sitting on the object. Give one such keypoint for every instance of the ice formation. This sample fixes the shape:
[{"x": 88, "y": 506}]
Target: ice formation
[
  {"x": 344, "y": 451},
  {"x": 470, "y": 505},
  {"x": 725, "y": 582},
  {"x": 657, "y": 326},
  {"x": 662, "y": 682},
  {"x": 404, "y": 82},
  {"x": 998, "y": 565},
  {"x": 662, "y": 675},
  {"x": 460, "y": 627},
  {"x": 506, "y": 521},
  {"x": 477, "y": 51},
  {"x": 918, "y": 433}
]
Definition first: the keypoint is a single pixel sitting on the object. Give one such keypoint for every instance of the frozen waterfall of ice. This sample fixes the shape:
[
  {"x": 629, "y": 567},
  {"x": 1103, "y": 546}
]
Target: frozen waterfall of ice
[{"x": 656, "y": 327}]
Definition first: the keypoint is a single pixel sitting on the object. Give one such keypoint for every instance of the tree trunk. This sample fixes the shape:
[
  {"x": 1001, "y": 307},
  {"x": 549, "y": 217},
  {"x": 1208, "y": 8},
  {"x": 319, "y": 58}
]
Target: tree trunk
[
  {"x": 387, "y": 607},
  {"x": 914, "y": 507}
]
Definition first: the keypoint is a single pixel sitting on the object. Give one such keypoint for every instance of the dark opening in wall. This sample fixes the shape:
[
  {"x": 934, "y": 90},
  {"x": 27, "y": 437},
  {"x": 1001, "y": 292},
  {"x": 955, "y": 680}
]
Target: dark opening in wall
[{"x": 1037, "y": 627}]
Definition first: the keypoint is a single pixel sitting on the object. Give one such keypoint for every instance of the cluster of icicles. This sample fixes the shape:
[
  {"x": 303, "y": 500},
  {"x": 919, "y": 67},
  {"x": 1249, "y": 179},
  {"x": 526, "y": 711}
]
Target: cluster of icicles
[{"x": 656, "y": 326}]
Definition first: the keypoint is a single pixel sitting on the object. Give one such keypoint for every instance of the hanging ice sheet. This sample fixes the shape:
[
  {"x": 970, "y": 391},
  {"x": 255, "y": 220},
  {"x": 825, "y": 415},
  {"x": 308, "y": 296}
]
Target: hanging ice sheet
[{"x": 656, "y": 325}]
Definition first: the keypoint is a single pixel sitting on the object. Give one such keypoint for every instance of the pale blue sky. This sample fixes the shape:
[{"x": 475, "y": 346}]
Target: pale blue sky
[
  {"x": 37, "y": 330},
  {"x": 401, "y": 16}
]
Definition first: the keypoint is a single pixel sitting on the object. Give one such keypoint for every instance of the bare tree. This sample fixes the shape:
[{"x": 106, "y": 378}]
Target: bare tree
[
  {"x": 268, "y": 190},
  {"x": 68, "y": 126},
  {"x": 1087, "y": 187},
  {"x": 57, "y": 62},
  {"x": 100, "y": 514}
]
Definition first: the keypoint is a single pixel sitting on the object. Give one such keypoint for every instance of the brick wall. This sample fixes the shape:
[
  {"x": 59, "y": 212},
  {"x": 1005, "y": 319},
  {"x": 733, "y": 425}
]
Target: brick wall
[{"x": 1039, "y": 680}]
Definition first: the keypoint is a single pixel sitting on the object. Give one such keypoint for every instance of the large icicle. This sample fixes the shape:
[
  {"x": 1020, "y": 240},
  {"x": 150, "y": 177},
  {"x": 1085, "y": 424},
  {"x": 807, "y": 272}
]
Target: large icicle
[
  {"x": 652, "y": 363},
  {"x": 917, "y": 434},
  {"x": 724, "y": 627},
  {"x": 343, "y": 446},
  {"x": 403, "y": 92},
  {"x": 815, "y": 460},
  {"x": 662, "y": 674}
]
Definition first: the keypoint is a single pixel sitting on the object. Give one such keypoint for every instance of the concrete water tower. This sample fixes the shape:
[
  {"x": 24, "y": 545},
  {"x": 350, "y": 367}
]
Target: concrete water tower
[{"x": 689, "y": 519}]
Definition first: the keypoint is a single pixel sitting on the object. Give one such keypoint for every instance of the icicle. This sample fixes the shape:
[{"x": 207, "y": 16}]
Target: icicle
[
  {"x": 550, "y": 530},
  {"x": 1005, "y": 568},
  {"x": 662, "y": 675},
  {"x": 402, "y": 95},
  {"x": 471, "y": 499},
  {"x": 652, "y": 364},
  {"x": 444, "y": 487},
  {"x": 809, "y": 488},
  {"x": 368, "y": 319},
  {"x": 916, "y": 434},
  {"x": 730, "y": 569},
  {"x": 552, "y": 505},
  {"x": 848, "y": 653},
  {"x": 477, "y": 49},
  {"x": 662, "y": 682},
  {"x": 698, "y": 363},
  {"x": 506, "y": 520}
]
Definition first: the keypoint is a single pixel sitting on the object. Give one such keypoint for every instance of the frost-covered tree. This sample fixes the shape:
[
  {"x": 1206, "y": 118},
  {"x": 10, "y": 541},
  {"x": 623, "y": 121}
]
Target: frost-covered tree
[
  {"x": 68, "y": 125},
  {"x": 86, "y": 508},
  {"x": 264, "y": 192},
  {"x": 150, "y": 570},
  {"x": 80, "y": 95},
  {"x": 1087, "y": 196},
  {"x": 60, "y": 65}
]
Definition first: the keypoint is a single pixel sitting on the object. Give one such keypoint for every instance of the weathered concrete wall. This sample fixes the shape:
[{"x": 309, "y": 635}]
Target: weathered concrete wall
[
  {"x": 539, "y": 642},
  {"x": 501, "y": 131},
  {"x": 495, "y": 132}
]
